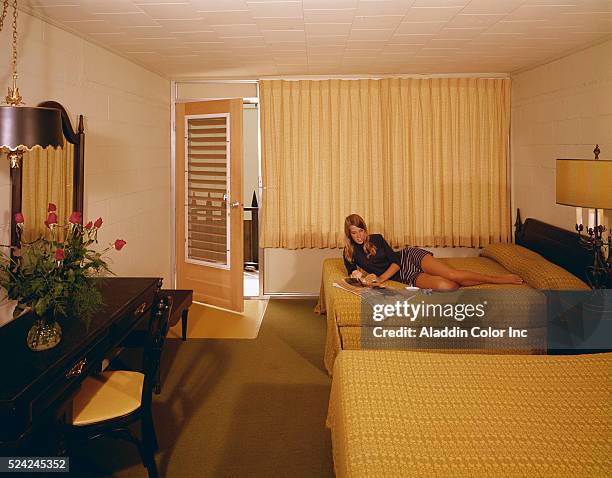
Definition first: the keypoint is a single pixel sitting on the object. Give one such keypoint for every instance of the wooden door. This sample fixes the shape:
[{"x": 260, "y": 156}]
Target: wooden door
[{"x": 209, "y": 214}]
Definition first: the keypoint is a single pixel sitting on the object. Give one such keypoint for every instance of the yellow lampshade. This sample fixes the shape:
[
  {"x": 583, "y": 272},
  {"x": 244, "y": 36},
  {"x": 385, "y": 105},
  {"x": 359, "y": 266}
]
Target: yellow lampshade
[{"x": 584, "y": 183}]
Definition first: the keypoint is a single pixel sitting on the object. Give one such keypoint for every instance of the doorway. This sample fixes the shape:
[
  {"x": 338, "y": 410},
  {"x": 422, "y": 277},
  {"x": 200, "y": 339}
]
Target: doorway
[{"x": 252, "y": 200}]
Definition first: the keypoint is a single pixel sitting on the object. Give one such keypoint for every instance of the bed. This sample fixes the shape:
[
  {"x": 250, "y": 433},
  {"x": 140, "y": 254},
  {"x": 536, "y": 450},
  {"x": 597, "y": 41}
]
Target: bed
[
  {"x": 545, "y": 256},
  {"x": 403, "y": 414}
]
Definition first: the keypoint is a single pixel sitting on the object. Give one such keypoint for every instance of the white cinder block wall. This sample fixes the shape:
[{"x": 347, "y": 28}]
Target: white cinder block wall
[
  {"x": 559, "y": 110},
  {"x": 127, "y": 144}
]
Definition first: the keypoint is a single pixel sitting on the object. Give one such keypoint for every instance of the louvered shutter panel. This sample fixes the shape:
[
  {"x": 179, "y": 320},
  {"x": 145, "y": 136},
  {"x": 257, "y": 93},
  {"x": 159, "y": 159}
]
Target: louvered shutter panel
[{"x": 206, "y": 188}]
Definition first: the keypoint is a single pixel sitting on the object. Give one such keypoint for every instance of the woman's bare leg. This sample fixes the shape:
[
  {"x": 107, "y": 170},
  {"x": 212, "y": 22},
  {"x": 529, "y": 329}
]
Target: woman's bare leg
[
  {"x": 434, "y": 267},
  {"x": 427, "y": 281}
]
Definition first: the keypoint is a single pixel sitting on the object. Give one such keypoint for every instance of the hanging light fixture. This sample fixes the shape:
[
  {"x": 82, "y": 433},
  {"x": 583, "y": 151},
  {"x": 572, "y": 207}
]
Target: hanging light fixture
[{"x": 22, "y": 128}]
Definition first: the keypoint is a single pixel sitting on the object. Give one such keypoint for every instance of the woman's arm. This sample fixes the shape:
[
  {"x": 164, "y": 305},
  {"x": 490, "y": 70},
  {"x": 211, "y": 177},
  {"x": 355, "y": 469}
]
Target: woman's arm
[
  {"x": 390, "y": 272},
  {"x": 351, "y": 268}
]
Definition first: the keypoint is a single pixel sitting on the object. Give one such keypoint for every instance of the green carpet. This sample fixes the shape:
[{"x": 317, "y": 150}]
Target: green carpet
[{"x": 234, "y": 408}]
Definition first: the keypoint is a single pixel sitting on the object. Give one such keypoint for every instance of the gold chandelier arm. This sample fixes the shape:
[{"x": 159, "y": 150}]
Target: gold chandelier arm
[
  {"x": 4, "y": 11},
  {"x": 14, "y": 98},
  {"x": 14, "y": 37}
]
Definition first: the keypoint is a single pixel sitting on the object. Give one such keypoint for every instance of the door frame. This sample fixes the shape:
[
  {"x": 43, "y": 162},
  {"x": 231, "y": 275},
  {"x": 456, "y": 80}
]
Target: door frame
[{"x": 173, "y": 100}]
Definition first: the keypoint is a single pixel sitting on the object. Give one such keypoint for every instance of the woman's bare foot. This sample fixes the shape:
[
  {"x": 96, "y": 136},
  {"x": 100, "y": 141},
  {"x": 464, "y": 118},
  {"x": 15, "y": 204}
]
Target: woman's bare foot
[{"x": 508, "y": 279}]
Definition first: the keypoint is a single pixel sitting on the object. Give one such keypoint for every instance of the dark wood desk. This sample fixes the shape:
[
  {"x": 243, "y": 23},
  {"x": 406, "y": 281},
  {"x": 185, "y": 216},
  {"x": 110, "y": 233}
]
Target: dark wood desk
[{"x": 35, "y": 385}]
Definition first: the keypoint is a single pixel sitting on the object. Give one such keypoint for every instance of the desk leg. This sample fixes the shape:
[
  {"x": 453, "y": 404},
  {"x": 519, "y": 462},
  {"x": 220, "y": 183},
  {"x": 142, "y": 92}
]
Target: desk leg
[{"x": 184, "y": 315}]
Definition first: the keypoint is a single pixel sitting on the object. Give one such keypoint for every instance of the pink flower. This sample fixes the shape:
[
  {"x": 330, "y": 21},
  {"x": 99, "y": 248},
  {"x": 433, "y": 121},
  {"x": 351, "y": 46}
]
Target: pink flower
[
  {"x": 119, "y": 243},
  {"x": 76, "y": 218},
  {"x": 89, "y": 225},
  {"x": 52, "y": 207},
  {"x": 98, "y": 223},
  {"x": 19, "y": 218},
  {"x": 51, "y": 219},
  {"x": 59, "y": 255}
]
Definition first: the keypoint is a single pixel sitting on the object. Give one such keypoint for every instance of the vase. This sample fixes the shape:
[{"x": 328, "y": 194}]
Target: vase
[{"x": 45, "y": 334}]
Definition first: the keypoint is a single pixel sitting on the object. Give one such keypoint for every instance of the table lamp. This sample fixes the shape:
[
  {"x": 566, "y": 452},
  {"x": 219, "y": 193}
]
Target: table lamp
[{"x": 587, "y": 183}]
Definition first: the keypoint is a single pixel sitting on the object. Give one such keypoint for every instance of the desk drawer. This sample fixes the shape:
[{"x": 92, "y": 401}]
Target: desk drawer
[
  {"x": 67, "y": 384},
  {"x": 136, "y": 316}
]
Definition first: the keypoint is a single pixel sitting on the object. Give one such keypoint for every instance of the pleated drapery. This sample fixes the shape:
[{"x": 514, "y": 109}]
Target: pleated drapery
[
  {"x": 47, "y": 177},
  {"x": 424, "y": 161}
]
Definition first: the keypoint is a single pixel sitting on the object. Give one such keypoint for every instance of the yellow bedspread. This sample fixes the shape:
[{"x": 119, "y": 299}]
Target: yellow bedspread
[
  {"x": 409, "y": 414},
  {"x": 343, "y": 309}
]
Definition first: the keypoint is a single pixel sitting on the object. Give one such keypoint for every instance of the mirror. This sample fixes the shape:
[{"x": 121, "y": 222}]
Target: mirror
[{"x": 49, "y": 175}]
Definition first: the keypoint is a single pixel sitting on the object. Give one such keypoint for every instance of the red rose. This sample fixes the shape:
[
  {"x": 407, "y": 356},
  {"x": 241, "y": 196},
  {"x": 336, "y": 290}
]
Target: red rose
[
  {"x": 52, "y": 207},
  {"x": 119, "y": 243},
  {"x": 19, "y": 218},
  {"x": 89, "y": 225},
  {"x": 76, "y": 218},
  {"x": 98, "y": 222},
  {"x": 51, "y": 219},
  {"x": 59, "y": 255}
]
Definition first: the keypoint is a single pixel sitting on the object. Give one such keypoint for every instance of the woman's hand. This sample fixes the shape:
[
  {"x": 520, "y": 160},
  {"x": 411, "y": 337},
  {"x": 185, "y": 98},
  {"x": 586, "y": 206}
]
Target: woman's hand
[
  {"x": 370, "y": 278},
  {"x": 356, "y": 274}
]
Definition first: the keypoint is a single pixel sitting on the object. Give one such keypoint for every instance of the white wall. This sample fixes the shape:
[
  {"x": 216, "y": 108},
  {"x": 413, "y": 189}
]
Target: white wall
[
  {"x": 299, "y": 271},
  {"x": 559, "y": 110},
  {"x": 127, "y": 144}
]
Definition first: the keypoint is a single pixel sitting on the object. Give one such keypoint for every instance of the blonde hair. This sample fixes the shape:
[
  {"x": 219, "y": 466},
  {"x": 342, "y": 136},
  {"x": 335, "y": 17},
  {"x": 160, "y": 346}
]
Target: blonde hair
[{"x": 349, "y": 248}]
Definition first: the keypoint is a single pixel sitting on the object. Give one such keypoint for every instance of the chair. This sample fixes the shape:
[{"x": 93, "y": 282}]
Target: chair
[{"x": 108, "y": 403}]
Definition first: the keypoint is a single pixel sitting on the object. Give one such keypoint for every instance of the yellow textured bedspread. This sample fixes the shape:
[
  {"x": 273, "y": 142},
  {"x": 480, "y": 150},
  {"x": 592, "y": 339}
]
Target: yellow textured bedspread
[
  {"x": 344, "y": 309},
  {"x": 409, "y": 414}
]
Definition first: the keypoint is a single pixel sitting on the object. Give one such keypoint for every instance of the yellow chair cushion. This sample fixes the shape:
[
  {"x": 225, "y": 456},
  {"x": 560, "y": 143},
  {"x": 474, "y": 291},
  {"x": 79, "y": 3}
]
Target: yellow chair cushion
[{"x": 108, "y": 395}]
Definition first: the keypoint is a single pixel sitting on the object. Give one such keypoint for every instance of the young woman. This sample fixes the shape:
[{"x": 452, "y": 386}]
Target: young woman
[{"x": 412, "y": 266}]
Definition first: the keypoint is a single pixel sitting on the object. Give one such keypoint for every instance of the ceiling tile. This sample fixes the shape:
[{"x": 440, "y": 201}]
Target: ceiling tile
[
  {"x": 426, "y": 14},
  {"x": 279, "y": 23},
  {"x": 197, "y": 36},
  {"x": 108, "y": 6},
  {"x": 490, "y": 7},
  {"x": 287, "y": 45},
  {"x": 283, "y": 35},
  {"x": 475, "y": 20},
  {"x": 419, "y": 27},
  {"x": 329, "y": 4},
  {"x": 370, "y": 34},
  {"x": 411, "y": 39},
  {"x": 170, "y": 11},
  {"x": 325, "y": 29},
  {"x": 377, "y": 22},
  {"x": 344, "y": 15},
  {"x": 365, "y": 45},
  {"x": 383, "y": 7},
  {"x": 327, "y": 40},
  {"x": 135, "y": 19},
  {"x": 236, "y": 30},
  {"x": 191, "y": 25},
  {"x": 269, "y": 9},
  {"x": 216, "y": 5}
]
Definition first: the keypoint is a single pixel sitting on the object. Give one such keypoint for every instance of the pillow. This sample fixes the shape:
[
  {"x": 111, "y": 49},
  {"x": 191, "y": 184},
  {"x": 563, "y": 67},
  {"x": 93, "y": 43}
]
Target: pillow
[
  {"x": 509, "y": 254},
  {"x": 533, "y": 268}
]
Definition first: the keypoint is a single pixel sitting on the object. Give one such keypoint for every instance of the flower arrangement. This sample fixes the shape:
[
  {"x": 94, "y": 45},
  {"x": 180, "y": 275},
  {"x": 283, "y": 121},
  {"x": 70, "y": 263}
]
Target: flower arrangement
[{"x": 52, "y": 275}]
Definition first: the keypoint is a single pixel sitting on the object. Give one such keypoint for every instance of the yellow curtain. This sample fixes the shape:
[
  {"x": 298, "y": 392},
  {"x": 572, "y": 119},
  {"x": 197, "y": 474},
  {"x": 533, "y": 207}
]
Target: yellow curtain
[
  {"x": 47, "y": 177},
  {"x": 424, "y": 161}
]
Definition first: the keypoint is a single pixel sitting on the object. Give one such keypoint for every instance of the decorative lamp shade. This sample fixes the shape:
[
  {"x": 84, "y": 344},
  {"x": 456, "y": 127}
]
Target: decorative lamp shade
[
  {"x": 584, "y": 183},
  {"x": 24, "y": 127}
]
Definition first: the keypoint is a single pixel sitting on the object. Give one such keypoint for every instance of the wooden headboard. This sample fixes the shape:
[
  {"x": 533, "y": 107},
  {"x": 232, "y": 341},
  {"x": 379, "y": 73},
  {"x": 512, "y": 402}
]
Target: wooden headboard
[{"x": 557, "y": 245}]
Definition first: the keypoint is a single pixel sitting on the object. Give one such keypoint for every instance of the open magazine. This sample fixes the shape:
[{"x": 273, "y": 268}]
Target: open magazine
[{"x": 357, "y": 286}]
